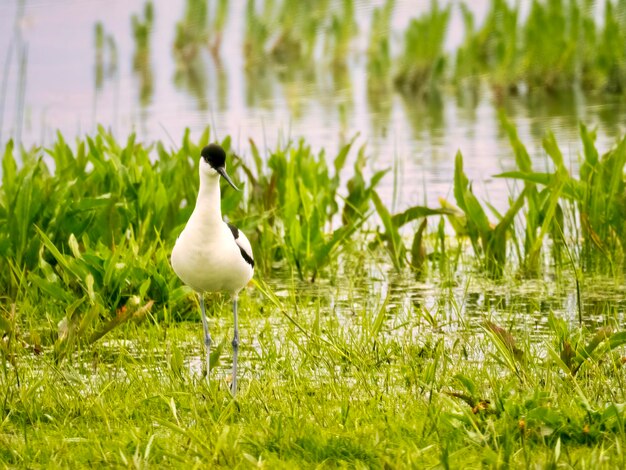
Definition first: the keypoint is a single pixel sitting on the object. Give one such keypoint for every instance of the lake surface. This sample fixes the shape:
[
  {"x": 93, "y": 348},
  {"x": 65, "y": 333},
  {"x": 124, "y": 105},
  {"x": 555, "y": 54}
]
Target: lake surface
[{"x": 50, "y": 84}]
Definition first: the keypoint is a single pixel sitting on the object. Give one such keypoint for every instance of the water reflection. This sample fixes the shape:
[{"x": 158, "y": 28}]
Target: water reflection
[
  {"x": 380, "y": 107},
  {"x": 142, "y": 29},
  {"x": 191, "y": 77},
  {"x": 259, "y": 88},
  {"x": 467, "y": 101},
  {"x": 192, "y": 33},
  {"x": 197, "y": 51},
  {"x": 297, "y": 85},
  {"x": 105, "y": 66},
  {"x": 425, "y": 114},
  {"x": 520, "y": 305},
  {"x": 99, "y": 64}
]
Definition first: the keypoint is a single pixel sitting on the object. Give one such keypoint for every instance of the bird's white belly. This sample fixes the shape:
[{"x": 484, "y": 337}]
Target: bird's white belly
[{"x": 212, "y": 266}]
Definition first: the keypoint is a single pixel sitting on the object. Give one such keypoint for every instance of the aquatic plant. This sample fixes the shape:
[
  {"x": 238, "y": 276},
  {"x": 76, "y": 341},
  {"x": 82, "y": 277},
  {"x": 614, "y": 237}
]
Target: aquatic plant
[
  {"x": 379, "y": 63},
  {"x": 116, "y": 190},
  {"x": 493, "y": 49},
  {"x": 307, "y": 203},
  {"x": 192, "y": 30},
  {"x": 552, "y": 47},
  {"x": 256, "y": 33},
  {"x": 559, "y": 46},
  {"x": 200, "y": 27},
  {"x": 598, "y": 195},
  {"x": 361, "y": 189},
  {"x": 91, "y": 256},
  {"x": 421, "y": 65},
  {"x": 544, "y": 214},
  {"x": 489, "y": 240},
  {"x": 611, "y": 52},
  {"x": 142, "y": 29},
  {"x": 284, "y": 32},
  {"x": 341, "y": 30},
  {"x": 217, "y": 24},
  {"x": 392, "y": 237},
  {"x": 468, "y": 59}
]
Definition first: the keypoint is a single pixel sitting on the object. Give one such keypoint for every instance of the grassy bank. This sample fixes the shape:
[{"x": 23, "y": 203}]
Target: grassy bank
[
  {"x": 369, "y": 339},
  {"x": 384, "y": 387}
]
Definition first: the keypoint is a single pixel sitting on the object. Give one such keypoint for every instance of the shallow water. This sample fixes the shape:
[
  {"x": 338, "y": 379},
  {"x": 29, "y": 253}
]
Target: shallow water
[{"x": 342, "y": 311}]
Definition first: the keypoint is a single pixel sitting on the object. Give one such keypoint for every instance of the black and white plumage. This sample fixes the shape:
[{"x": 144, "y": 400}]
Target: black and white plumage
[
  {"x": 243, "y": 244},
  {"x": 211, "y": 255}
]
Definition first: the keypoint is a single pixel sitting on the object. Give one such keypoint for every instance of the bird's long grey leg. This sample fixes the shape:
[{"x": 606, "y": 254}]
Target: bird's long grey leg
[
  {"x": 235, "y": 346},
  {"x": 207, "y": 336}
]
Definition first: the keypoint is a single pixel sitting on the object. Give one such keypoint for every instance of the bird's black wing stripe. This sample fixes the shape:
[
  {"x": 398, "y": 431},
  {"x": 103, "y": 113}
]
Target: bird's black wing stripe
[
  {"x": 234, "y": 230},
  {"x": 247, "y": 258}
]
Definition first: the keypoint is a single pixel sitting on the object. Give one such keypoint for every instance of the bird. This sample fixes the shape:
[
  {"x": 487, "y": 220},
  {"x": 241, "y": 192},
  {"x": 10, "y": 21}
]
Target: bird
[{"x": 211, "y": 255}]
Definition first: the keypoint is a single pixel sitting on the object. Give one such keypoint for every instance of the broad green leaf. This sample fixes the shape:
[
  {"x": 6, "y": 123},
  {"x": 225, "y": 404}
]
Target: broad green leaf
[
  {"x": 340, "y": 159},
  {"x": 5, "y": 325},
  {"x": 394, "y": 240},
  {"x": 476, "y": 214},
  {"x": 617, "y": 339},
  {"x": 590, "y": 151},
  {"x": 9, "y": 169},
  {"x": 379, "y": 319},
  {"x": 52, "y": 288},
  {"x": 540, "y": 178},
  {"x": 416, "y": 212},
  {"x": 553, "y": 150},
  {"x": 460, "y": 182},
  {"x": 521, "y": 154},
  {"x": 417, "y": 248},
  {"x": 468, "y": 383}
]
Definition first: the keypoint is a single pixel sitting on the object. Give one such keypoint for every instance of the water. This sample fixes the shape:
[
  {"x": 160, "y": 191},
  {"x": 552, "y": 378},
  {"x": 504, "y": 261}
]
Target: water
[{"x": 62, "y": 92}]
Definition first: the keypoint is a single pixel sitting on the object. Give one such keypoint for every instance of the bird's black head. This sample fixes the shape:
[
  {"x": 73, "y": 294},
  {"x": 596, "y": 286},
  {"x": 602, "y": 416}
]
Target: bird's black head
[{"x": 214, "y": 155}]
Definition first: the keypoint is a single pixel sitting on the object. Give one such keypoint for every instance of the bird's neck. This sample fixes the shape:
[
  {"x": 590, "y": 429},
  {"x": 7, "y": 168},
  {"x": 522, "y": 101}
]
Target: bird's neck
[{"x": 208, "y": 205}]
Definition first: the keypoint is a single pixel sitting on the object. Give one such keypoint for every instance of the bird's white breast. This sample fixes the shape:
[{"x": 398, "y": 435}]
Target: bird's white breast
[{"x": 208, "y": 259}]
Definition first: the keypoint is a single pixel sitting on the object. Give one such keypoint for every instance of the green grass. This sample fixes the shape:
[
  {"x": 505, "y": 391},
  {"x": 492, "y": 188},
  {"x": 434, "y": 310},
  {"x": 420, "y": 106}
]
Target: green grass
[
  {"x": 361, "y": 391},
  {"x": 347, "y": 360}
]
